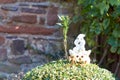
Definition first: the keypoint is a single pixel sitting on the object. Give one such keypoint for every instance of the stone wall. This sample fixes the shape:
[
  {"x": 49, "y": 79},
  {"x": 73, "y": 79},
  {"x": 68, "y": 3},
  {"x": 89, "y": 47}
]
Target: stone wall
[{"x": 28, "y": 34}]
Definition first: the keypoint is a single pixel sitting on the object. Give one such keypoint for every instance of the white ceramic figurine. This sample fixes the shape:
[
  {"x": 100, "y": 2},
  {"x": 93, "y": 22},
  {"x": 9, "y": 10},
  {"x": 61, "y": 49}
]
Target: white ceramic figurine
[
  {"x": 79, "y": 54},
  {"x": 80, "y": 42}
]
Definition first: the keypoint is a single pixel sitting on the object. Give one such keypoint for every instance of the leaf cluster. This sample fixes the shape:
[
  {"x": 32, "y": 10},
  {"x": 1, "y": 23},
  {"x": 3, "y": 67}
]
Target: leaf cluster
[
  {"x": 100, "y": 18},
  {"x": 64, "y": 23},
  {"x": 63, "y": 70}
]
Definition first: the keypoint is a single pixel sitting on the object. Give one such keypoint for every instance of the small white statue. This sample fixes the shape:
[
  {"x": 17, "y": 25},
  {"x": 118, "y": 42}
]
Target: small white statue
[
  {"x": 78, "y": 54},
  {"x": 79, "y": 42}
]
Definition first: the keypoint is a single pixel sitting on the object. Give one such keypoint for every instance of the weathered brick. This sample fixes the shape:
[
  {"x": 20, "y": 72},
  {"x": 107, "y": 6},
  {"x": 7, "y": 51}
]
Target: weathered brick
[
  {"x": 25, "y": 18},
  {"x": 42, "y": 20},
  {"x": 21, "y": 60},
  {"x": 9, "y": 8},
  {"x": 17, "y": 47},
  {"x": 39, "y": 58},
  {"x": 3, "y": 76},
  {"x": 7, "y": 1},
  {"x": 2, "y": 15},
  {"x": 52, "y": 18},
  {"x": 31, "y": 10},
  {"x": 65, "y": 10},
  {"x": 24, "y": 4},
  {"x": 8, "y": 68},
  {"x": 40, "y": 6},
  {"x": 28, "y": 30},
  {"x": 3, "y": 54},
  {"x": 33, "y": 0},
  {"x": 2, "y": 40},
  {"x": 11, "y": 37}
]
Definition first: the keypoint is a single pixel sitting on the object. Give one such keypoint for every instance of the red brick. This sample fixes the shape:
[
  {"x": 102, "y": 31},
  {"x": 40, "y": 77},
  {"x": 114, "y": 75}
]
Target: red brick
[
  {"x": 52, "y": 18},
  {"x": 28, "y": 30},
  {"x": 7, "y": 1},
  {"x": 32, "y": 0},
  {"x": 40, "y": 6},
  {"x": 25, "y": 18},
  {"x": 32, "y": 10},
  {"x": 2, "y": 40}
]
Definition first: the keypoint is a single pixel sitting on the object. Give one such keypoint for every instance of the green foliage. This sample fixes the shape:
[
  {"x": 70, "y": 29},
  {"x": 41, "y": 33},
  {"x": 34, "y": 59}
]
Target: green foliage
[
  {"x": 63, "y": 70},
  {"x": 100, "y": 18},
  {"x": 64, "y": 23}
]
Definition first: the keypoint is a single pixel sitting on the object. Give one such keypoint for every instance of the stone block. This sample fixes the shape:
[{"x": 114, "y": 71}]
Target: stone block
[
  {"x": 39, "y": 58},
  {"x": 48, "y": 46},
  {"x": 32, "y": 10},
  {"x": 2, "y": 16},
  {"x": 52, "y": 17},
  {"x": 42, "y": 21},
  {"x": 65, "y": 11},
  {"x": 40, "y": 6},
  {"x": 24, "y": 4},
  {"x": 17, "y": 47},
  {"x": 8, "y": 68},
  {"x": 3, "y": 54},
  {"x": 7, "y": 1},
  {"x": 9, "y": 8},
  {"x": 3, "y": 76},
  {"x": 11, "y": 37},
  {"x": 2, "y": 40},
  {"x": 32, "y": 0},
  {"x": 28, "y": 30},
  {"x": 25, "y": 18},
  {"x": 21, "y": 60},
  {"x": 53, "y": 47}
]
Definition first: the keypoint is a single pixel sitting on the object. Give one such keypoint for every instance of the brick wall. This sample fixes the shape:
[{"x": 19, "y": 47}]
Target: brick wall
[{"x": 28, "y": 32}]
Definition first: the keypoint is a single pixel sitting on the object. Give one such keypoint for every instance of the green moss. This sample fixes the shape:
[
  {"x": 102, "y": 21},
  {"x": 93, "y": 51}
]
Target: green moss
[{"x": 63, "y": 70}]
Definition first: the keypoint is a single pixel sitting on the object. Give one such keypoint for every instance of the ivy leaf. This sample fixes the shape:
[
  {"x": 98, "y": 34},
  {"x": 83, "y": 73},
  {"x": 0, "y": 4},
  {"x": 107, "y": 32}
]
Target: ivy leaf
[
  {"x": 117, "y": 10},
  {"x": 118, "y": 43},
  {"x": 103, "y": 7},
  {"x": 113, "y": 49},
  {"x": 91, "y": 1},
  {"x": 95, "y": 27},
  {"x": 76, "y": 19},
  {"x": 80, "y": 1},
  {"x": 116, "y": 32},
  {"x": 106, "y": 23},
  {"x": 118, "y": 51},
  {"x": 98, "y": 30},
  {"x": 91, "y": 43},
  {"x": 113, "y": 41},
  {"x": 114, "y": 2}
]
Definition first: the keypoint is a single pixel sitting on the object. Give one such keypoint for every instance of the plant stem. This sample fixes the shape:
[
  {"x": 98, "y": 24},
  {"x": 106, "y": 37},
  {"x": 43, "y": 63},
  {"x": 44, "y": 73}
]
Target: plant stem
[
  {"x": 117, "y": 67},
  {"x": 104, "y": 54},
  {"x": 65, "y": 48}
]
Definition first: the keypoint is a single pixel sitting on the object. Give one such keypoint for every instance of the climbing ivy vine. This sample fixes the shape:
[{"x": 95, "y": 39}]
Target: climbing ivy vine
[
  {"x": 100, "y": 21},
  {"x": 100, "y": 18}
]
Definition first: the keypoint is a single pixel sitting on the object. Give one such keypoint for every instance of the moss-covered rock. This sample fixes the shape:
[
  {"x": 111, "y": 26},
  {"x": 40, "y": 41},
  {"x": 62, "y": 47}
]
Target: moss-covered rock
[{"x": 63, "y": 70}]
